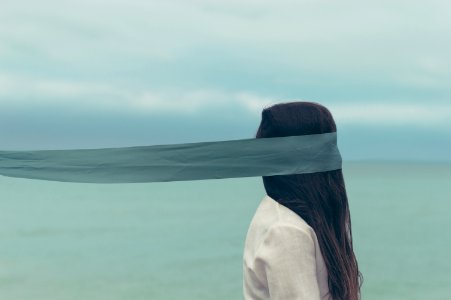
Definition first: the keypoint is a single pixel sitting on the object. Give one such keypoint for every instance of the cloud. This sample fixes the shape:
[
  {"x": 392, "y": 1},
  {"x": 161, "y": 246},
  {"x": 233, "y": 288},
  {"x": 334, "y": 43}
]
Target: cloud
[
  {"x": 375, "y": 59},
  {"x": 392, "y": 114},
  {"x": 199, "y": 100},
  {"x": 16, "y": 89},
  {"x": 379, "y": 41}
]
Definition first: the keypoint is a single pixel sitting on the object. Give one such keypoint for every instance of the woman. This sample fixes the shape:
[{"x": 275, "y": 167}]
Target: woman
[{"x": 299, "y": 242}]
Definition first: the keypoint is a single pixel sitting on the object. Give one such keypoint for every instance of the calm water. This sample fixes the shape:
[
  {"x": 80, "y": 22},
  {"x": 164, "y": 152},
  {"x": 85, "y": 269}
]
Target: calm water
[{"x": 184, "y": 240}]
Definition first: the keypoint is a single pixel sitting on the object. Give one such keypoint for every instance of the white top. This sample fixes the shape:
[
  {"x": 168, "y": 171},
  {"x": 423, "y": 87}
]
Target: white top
[{"x": 282, "y": 259}]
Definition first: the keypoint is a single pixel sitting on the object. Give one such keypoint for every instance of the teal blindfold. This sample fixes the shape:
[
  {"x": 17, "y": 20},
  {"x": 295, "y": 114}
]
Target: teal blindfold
[{"x": 178, "y": 162}]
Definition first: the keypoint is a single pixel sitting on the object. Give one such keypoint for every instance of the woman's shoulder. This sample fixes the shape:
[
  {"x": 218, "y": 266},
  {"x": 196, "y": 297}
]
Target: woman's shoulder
[
  {"x": 272, "y": 218},
  {"x": 285, "y": 217},
  {"x": 280, "y": 244}
]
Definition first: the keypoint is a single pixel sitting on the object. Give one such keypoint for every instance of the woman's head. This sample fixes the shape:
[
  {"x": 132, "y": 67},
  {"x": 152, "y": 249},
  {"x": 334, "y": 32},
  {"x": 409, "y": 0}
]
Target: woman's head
[
  {"x": 319, "y": 198},
  {"x": 295, "y": 118}
]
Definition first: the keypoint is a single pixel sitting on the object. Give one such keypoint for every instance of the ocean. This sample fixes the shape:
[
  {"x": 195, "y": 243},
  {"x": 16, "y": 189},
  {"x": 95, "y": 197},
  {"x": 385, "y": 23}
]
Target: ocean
[{"x": 184, "y": 240}]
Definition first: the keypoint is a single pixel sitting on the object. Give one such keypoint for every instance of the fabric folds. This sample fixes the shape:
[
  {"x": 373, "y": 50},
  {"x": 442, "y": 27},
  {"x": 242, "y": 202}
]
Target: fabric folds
[{"x": 178, "y": 162}]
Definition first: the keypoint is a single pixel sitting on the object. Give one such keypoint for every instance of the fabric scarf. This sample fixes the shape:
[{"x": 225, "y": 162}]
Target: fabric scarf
[{"x": 178, "y": 162}]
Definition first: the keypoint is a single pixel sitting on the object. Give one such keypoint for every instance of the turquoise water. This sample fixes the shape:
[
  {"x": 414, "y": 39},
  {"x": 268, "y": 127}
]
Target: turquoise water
[{"x": 184, "y": 240}]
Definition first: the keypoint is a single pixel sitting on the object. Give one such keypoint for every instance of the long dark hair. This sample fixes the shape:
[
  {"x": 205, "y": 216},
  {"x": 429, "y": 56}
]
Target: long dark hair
[{"x": 319, "y": 198}]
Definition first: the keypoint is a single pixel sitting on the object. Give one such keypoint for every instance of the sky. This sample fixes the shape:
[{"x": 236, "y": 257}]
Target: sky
[{"x": 94, "y": 74}]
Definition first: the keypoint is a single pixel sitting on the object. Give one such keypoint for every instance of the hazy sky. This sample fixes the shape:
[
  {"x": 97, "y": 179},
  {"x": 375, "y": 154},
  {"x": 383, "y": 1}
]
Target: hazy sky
[{"x": 88, "y": 74}]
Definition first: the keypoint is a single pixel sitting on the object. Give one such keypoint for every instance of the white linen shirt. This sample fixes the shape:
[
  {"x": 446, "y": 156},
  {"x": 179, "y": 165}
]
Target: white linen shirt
[{"x": 282, "y": 259}]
